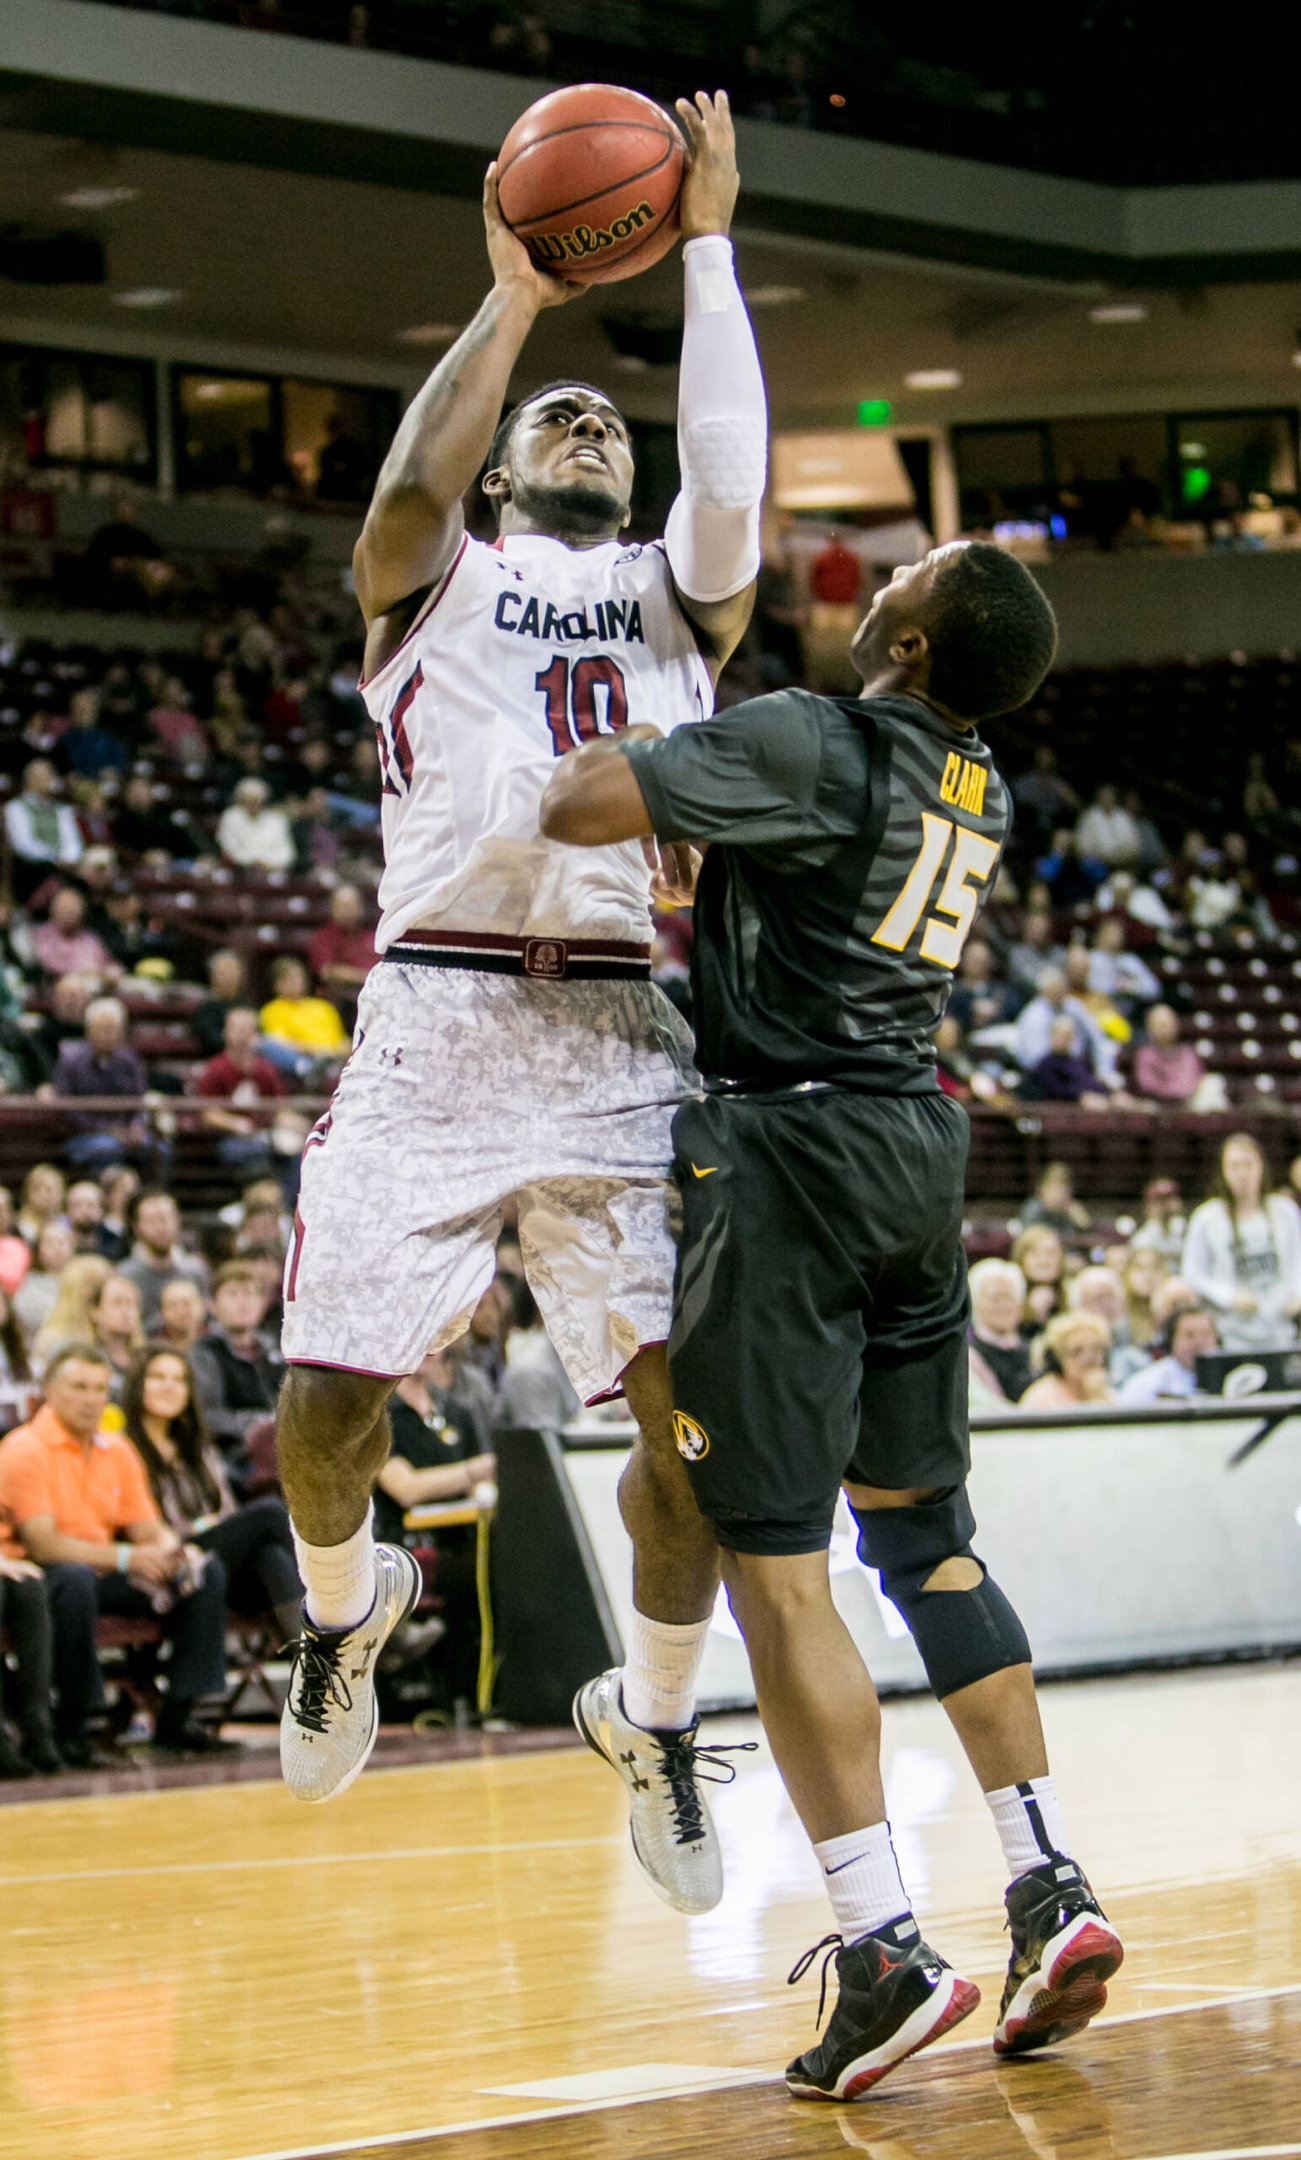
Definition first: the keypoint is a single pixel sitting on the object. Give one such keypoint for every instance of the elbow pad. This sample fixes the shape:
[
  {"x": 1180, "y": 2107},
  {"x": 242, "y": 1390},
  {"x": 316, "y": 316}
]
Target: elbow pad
[{"x": 712, "y": 536}]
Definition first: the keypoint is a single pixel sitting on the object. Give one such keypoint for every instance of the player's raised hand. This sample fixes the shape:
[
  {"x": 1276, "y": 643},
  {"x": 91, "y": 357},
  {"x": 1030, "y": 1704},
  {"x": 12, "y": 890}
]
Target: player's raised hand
[
  {"x": 511, "y": 262},
  {"x": 710, "y": 188}
]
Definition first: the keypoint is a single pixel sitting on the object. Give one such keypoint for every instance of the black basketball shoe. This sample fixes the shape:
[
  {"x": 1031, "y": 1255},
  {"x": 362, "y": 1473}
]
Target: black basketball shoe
[
  {"x": 896, "y": 1996},
  {"x": 1064, "y": 1950}
]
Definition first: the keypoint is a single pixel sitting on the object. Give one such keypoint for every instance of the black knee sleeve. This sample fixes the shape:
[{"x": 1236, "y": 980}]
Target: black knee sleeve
[{"x": 961, "y": 1635}]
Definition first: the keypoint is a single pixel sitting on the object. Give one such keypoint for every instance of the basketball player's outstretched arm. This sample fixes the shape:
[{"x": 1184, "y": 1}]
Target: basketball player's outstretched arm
[
  {"x": 414, "y": 524},
  {"x": 712, "y": 536}
]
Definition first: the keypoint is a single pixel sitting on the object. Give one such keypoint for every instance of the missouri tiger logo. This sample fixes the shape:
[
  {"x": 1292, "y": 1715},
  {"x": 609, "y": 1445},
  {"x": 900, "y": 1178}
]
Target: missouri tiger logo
[
  {"x": 692, "y": 1439},
  {"x": 585, "y": 240}
]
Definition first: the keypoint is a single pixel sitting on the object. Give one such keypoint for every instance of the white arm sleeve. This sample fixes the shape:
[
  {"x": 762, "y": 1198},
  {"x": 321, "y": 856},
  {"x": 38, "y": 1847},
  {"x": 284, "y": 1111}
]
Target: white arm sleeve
[{"x": 712, "y": 536}]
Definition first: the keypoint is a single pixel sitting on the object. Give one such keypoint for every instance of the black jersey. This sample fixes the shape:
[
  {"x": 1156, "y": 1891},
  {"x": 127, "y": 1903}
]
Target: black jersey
[{"x": 852, "y": 845}]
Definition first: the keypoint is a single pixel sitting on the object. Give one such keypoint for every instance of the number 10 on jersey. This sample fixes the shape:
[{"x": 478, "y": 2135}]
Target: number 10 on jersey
[
  {"x": 973, "y": 857},
  {"x": 572, "y": 697}
]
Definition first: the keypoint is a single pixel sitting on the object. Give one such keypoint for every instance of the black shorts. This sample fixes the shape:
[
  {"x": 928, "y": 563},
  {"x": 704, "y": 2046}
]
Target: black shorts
[{"x": 820, "y": 1307}]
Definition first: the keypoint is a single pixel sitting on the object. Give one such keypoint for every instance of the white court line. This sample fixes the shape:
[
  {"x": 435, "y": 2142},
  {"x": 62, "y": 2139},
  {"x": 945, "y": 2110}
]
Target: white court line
[
  {"x": 378, "y": 2141},
  {"x": 343, "y": 1859}
]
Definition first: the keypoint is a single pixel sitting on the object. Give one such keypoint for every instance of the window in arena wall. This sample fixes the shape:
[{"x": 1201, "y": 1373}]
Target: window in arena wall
[
  {"x": 271, "y": 435},
  {"x": 73, "y": 415},
  {"x": 1003, "y": 472},
  {"x": 1220, "y": 461}
]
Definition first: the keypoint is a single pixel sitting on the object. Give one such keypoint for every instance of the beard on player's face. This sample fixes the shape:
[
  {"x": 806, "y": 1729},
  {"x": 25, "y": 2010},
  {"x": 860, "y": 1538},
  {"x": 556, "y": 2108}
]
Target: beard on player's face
[{"x": 574, "y": 506}]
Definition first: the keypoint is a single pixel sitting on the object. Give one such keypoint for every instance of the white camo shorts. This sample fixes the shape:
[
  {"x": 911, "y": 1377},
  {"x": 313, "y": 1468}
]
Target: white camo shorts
[{"x": 463, "y": 1089}]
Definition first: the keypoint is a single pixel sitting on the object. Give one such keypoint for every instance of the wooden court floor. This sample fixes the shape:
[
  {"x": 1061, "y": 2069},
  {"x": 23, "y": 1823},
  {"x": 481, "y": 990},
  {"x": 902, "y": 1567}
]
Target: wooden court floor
[{"x": 463, "y": 1963}]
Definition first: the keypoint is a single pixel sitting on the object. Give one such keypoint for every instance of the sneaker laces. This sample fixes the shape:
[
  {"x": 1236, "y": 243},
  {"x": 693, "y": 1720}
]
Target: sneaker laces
[
  {"x": 680, "y": 1770},
  {"x": 831, "y": 1944},
  {"x": 316, "y": 1674}
]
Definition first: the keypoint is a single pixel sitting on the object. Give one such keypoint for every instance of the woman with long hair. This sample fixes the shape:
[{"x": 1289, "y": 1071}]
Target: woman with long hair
[
  {"x": 1040, "y": 1255},
  {"x": 37, "y": 1293},
  {"x": 69, "y": 1318},
  {"x": 17, "y": 1387},
  {"x": 162, "y": 1416},
  {"x": 1242, "y": 1252},
  {"x": 1145, "y": 1271},
  {"x": 115, "y": 1325},
  {"x": 44, "y": 1192}
]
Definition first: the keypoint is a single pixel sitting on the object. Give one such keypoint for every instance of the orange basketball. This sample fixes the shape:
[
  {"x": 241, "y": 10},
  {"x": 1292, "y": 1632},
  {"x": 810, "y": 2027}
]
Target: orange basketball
[{"x": 589, "y": 179}]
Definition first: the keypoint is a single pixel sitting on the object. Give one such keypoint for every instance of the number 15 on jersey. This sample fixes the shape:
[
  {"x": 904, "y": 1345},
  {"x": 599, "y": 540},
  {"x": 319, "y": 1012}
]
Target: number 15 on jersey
[{"x": 972, "y": 859}]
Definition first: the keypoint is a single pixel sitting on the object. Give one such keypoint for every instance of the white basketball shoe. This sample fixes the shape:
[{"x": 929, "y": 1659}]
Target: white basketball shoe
[
  {"x": 673, "y": 1833},
  {"x": 331, "y": 1718}
]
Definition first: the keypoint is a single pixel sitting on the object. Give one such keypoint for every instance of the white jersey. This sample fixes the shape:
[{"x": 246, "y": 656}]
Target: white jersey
[{"x": 526, "y": 649}]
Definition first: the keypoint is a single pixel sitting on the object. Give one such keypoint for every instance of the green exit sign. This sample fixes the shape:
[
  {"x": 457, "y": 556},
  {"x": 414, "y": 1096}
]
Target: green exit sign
[{"x": 874, "y": 412}]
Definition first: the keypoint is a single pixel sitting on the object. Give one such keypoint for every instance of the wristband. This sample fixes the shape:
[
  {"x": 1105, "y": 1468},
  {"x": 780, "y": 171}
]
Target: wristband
[{"x": 123, "y": 1559}]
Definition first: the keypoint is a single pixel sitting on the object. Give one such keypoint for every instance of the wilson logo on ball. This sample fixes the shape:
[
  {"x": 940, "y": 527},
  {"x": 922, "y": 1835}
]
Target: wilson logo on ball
[{"x": 585, "y": 240}]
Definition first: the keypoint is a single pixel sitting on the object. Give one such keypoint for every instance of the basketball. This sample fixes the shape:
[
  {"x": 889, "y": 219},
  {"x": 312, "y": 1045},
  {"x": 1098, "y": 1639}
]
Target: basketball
[{"x": 589, "y": 178}]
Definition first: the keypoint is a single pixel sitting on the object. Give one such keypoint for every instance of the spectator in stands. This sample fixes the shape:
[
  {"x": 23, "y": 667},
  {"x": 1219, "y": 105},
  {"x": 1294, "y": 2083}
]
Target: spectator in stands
[
  {"x": 1107, "y": 833},
  {"x": 1242, "y": 1253},
  {"x": 1062, "y": 1076},
  {"x": 177, "y": 734},
  {"x": 342, "y": 952},
  {"x": 143, "y": 828},
  {"x": 103, "y": 1064},
  {"x": 66, "y": 1020},
  {"x": 1117, "y": 974},
  {"x": 85, "y": 747},
  {"x": 1099, "y": 1290},
  {"x": 1077, "y": 969},
  {"x": 979, "y": 999},
  {"x": 1145, "y": 1271},
  {"x": 535, "y": 1389},
  {"x": 234, "y": 1084},
  {"x": 119, "y": 1184},
  {"x": 38, "y": 1292},
  {"x": 1166, "y": 1070},
  {"x": 1134, "y": 903},
  {"x": 1071, "y": 878},
  {"x": 1034, "y": 953},
  {"x": 158, "y": 1256},
  {"x": 189, "y": 1483},
  {"x": 1039, "y": 1254},
  {"x": 1151, "y": 847},
  {"x": 44, "y": 1200},
  {"x": 316, "y": 840},
  {"x": 961, "y": 1076},
  {"x": 115, "y": 1325},
  {"x": 79, "y": 1497},
  {"x": 1076, "y": 1346},
  {"x": 1054, "y": 1202},
  {"x": 237, "y": 1369},
  {"x": 64, "y": 944},
  {"x": 183, "y": 1314},
  {"x": 1190, "y": 1334},
  {"x": 1042, "y": 794},
  {"x": 226, "y": 988},
  {"x": 25, "y": 1617},
  {"x": 15, "y": 1252},
  {"x": 835, "y": 574},
  {"x": 69, "y": 1317},
  {"x": 17, "y": 1388},
  {"x": 998, "y": 1357},
  {"x": 124, "y": 565},
  {"x": 253, "y": 835},
  {"x": 1034, "y": 1025},
  {"x": 1259, "y": 801},
  {"x": 86, "y": 1216},
  {"x": 1163, "y": 1224},
  {"x": 300, "y": 1029},
  {"x": 43, "y": 833}
]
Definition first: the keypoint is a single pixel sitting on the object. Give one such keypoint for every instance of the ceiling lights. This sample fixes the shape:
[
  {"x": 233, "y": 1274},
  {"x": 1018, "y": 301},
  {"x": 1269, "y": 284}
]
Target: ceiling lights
[
  {"x": 934, "y": 378},
  {"x": 429, "y": 333},
  {"x": 772, "y": 295},
  {"x": 148, "y": 296},
  {"x": 98, "y": 198},
  {"x": 1119, "y": 311}
]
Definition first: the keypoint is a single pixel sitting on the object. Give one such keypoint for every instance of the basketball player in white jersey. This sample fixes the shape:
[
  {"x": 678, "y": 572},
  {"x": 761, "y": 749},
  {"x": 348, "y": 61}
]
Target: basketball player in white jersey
[{"x": 510, "y": 1042}]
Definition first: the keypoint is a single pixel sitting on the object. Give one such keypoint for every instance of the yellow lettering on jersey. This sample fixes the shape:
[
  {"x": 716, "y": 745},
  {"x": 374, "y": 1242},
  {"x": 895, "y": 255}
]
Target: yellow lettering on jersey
[
  {"x": 952, "y": 774},
  {"x": 973, "y": 789},
  {"x": 963, "y": 783}
]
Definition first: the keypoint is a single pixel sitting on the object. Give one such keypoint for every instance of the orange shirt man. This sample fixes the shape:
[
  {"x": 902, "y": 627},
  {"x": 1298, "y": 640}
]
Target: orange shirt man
[{"x": 76, "y": 1500}]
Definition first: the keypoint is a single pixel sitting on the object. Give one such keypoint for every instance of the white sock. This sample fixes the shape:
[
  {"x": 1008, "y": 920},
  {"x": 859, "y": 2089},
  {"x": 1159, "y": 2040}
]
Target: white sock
[
  {"x": 862, "y": 1880},
  {"x": 339, "y": 1579},
  {"x": 660, "y": 1665},
  {"x": 1028, "y": 1819}
]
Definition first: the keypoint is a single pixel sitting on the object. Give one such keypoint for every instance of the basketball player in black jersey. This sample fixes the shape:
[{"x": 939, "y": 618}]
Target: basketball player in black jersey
[{"x": 819, "y": 1331}]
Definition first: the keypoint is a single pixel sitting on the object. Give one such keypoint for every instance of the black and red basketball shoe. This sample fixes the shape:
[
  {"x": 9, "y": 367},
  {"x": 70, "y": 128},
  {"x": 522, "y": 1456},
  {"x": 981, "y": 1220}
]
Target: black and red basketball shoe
[
  {"x": 1064, "y": 1951},
  {"x": 896, "y": 1996}
]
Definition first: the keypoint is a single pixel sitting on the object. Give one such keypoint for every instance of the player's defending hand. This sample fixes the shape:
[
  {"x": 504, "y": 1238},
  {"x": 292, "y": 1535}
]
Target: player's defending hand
[
  {"x": 674, "y": 867},
  {"x": 710, "y": 188},
  {"x": 512, "y": 265}
]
